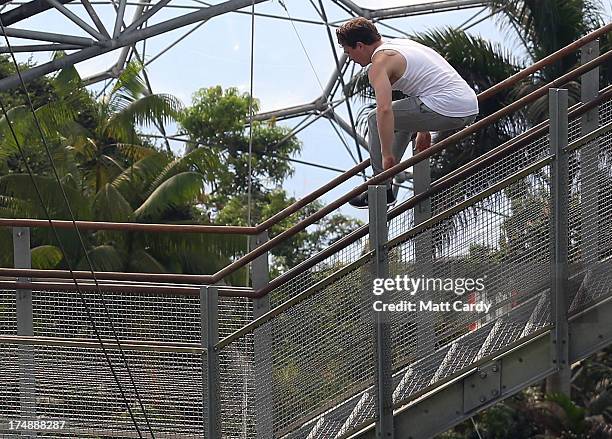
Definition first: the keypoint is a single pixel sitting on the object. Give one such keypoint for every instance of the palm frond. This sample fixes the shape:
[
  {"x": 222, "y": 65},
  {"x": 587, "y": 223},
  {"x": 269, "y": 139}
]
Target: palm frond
[
  {"x": 148, "y": 110},
  {"x": 67, "y": 80},
  {"x": 142, "y": 262},
  {"x": 13, "y": 207},
  {"x": 128, "y": 87},
  {"x": 133, "y": 152},
  {"x": 178, "y": 190},
  {"x": 103, "y": 258},
  {"x": 18, "y": 118},
  {"x": 134, "y": 182},
  {"x": 46, "y": 257},
  {"x": 20, "y": 187},
  {"x": 109, "y": 205},
  {"x": 544, "y": 26},
  {"x": 201, "y": 160}
]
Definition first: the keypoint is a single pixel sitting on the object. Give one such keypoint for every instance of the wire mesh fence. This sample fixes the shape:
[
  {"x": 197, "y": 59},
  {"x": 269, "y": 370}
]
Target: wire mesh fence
[
  {"x": 75, "y": 386},
  {"x": 64, "y": 375},
  {"x": 590, "y": 212},
  {"x": 501, "y": 244},
  {"x": 309, "y": 356},
  {"x": 310, "y": 276},
  {"x": 308, "y": 370}
]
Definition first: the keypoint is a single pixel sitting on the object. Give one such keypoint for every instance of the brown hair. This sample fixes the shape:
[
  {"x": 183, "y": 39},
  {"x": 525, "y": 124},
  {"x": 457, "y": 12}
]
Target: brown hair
[{"x": 357, "y": 30}]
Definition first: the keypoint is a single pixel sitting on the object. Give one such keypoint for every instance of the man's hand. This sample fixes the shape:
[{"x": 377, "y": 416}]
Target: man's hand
[
  {"x": 422, "y": 141},
  {"x": 388, "y": 162}
]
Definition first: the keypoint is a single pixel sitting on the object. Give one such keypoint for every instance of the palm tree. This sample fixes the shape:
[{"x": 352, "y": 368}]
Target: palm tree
[
  {"x": 110, "y": 174},
  {"x": 106, "y": 142}
]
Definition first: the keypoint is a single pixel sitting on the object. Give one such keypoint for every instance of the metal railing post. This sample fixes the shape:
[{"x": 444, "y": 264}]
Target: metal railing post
[
  {"x": 377, "y": 196},
  {"x": 423, "y": 255},
  {"x": 209, "y": 317},
  {"x": 589, "y": 89},
  {"x": 22, "y": 258},
  {"x": 559, "y": 382},
  {"x": 260, "y": 276}
]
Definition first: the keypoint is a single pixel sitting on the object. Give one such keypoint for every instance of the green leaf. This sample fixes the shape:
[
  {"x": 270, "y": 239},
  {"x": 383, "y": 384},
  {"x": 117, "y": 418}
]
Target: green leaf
[
  {"x": 46, "y": 257},
  {"x": 177, "y": 190},
  {"x": 143, "y": 262},
  {"x": 20, "y": 187},
  {"x": 134, "y": 182},
  {"x": 200, "y": 160},
  {"x": 109, "y": 205},
  {"x": 129, "y": 85},
  {"x": 148, "y": 110},
  {"x": 68, "y": 79},
  {"x": 103, "y": 258}
]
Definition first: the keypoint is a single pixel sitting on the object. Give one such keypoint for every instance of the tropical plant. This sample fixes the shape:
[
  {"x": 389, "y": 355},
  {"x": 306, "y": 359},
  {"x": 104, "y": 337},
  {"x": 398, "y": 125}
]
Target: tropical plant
[
  {"x": 109, "y": 174},
  {"x": 106, "y": 142},
  {"x": 216, "y": 124}
]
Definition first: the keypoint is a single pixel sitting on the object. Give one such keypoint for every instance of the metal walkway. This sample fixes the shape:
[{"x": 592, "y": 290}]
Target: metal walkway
[{"x": 304, "y": 355}]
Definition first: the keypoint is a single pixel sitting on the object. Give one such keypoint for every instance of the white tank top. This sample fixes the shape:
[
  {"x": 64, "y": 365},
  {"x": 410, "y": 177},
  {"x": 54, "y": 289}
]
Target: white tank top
[{"x": 432, "y": 79}]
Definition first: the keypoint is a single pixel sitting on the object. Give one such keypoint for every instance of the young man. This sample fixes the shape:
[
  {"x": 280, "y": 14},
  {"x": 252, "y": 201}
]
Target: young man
[{"x": 438, "y": 99}]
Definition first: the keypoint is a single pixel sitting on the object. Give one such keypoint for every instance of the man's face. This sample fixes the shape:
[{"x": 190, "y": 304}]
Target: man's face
[{"x": 357, "y": 54}]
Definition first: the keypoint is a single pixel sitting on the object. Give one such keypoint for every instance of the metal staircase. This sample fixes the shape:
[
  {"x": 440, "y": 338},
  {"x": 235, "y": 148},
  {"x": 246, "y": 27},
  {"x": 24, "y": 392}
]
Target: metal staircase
[{"x": 304, "y": 355}]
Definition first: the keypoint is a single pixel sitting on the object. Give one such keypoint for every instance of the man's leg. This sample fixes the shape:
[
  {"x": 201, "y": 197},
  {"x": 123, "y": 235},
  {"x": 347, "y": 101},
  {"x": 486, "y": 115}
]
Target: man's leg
[
  {"x": 401, "y": 140},
  {"x": 410, "y": 116}
]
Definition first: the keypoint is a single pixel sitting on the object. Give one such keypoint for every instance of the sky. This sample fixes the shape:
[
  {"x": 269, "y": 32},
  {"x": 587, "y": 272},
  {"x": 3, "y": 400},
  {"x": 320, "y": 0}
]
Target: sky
[{"x": 290, "y": 64}]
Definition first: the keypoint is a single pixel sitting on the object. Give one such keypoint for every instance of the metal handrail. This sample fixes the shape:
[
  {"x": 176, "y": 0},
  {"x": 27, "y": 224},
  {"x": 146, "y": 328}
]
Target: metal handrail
[
  {"x": 137, "y": 345},
  {"x": 439, "y": 185},
  {"x": 129, "y": 227},
  {"x": 389, "y": 173},
  {"x": 288, "y": 211},
  {"x": 119, "y": 288}
]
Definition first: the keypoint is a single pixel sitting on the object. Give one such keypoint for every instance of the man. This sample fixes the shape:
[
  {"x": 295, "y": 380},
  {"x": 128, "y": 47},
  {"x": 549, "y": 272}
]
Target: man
[{"x": 438, "y": 99}]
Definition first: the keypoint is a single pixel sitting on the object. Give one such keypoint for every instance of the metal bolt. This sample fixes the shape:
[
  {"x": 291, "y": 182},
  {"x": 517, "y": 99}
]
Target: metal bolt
[
  {"x": 495, "y": 392},
  {"x": 483, "y": 399},
  {"x": 494, "y": 368},
  {"x": 483, "y": 374}
]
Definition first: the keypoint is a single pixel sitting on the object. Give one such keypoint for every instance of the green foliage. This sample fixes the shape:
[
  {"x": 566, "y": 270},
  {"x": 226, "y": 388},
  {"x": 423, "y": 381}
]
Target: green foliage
[
  {"x": 40, "y": 89},
  {"x": 302, "y": 245},
  {"x": 531, "y": 414},
  {"x": 217, "y": 123},
  {"x": 46, "y": 257}
]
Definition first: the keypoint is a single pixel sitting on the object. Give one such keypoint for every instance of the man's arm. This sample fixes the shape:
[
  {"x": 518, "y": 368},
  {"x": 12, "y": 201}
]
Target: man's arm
[{"x": 379, "y": 79}]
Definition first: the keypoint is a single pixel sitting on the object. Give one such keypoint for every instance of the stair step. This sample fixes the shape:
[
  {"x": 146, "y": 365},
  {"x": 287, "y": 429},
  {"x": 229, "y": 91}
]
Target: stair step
[
  {"x": 328, "y": 424},
  {"x": 508, "y": 328},
  {"x": 595, "y": 284},
  {"x": 540, "y": 316},
  {"x": 462, "y": 353}
]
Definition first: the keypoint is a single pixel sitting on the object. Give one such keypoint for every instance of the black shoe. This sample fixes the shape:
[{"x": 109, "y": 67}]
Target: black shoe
[{"x": 361, "y": 200}]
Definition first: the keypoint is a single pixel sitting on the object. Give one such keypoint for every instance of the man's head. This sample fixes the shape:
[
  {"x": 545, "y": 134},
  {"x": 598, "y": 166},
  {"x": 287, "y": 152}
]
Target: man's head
[{"x": 358, "y": 37}]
